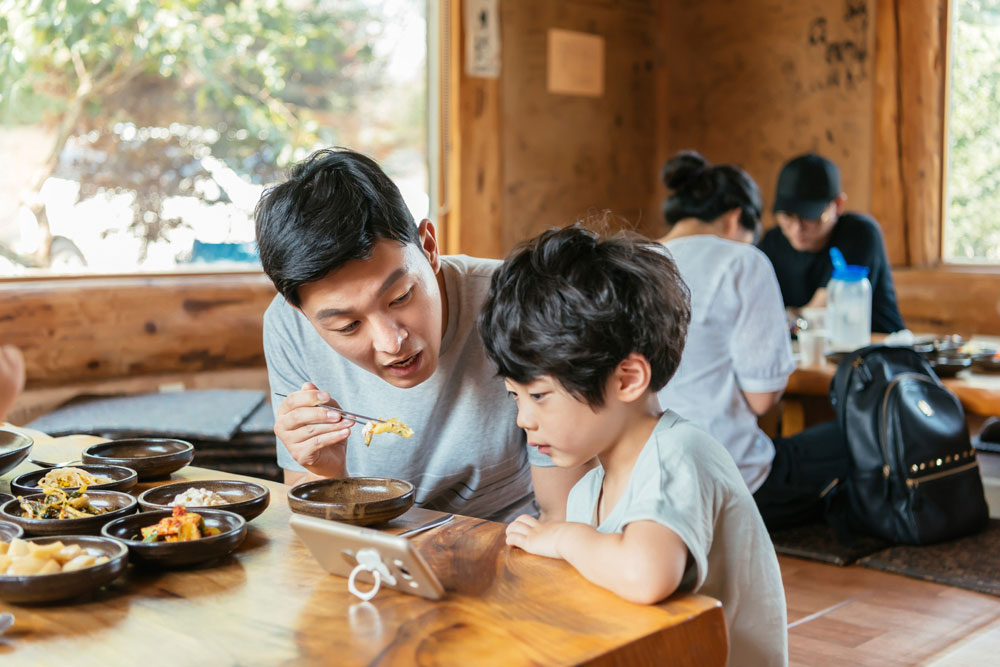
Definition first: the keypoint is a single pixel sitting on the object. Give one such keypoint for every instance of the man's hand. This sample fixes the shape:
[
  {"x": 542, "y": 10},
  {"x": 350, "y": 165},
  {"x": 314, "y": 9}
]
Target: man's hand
[
  {"x": 535, "y": 537},
  {"x": 314, "y": 436},
  {"x": 12, "y": 377}
]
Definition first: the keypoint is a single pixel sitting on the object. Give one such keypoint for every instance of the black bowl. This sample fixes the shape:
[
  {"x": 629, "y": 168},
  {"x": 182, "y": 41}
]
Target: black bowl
[
  {"x": 985, "y": 363},
  {"x": 361, "y": 501},
  {"x": 836, "y": 357},
  {"x": 248, "y": 499},
  {"x": 120, "y": 504},
  {"x": 9, "y": 530},
  {"x": 151, "y": 458},
  {"x": 122, "y": 479},
  {"x": 14, "y": 448},
  {"x": 65, "y": 585},
  {"x": 178, "y": 554},
  {"x": 947, "y": 366}
]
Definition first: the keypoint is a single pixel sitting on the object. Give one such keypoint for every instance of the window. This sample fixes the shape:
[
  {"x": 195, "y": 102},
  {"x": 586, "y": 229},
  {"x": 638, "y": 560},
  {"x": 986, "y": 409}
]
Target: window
[
  {"x": 972, "y": 221},
  {"x": 137, "y": 135}
]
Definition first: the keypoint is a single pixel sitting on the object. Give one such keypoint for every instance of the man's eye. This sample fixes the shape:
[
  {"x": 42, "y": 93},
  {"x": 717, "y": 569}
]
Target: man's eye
[
  {"x": 403, "y": 298},
  {"x": 349, "y": 328}
]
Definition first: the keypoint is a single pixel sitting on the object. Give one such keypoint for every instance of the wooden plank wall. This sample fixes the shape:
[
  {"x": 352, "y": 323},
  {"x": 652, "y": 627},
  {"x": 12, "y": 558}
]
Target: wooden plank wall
[
  {"x": 760, "y": 81},
  {"x": 565, "y": 156},
  {"x": 134, "y": 334}
]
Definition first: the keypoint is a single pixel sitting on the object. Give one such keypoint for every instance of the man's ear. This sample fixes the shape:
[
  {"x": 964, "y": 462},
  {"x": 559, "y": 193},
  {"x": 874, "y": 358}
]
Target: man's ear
[
  {"x": 841, "y": 202},
  {"x": 631, "y": 378},
  {"x": 429, "y": 244}
]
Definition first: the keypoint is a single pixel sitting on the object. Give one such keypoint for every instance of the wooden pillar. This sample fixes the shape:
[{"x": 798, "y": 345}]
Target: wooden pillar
[{"x": 910, "y": 127}]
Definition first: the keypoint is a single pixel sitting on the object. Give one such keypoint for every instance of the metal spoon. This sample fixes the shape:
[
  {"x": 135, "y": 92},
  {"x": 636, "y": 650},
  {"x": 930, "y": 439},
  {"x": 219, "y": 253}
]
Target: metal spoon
[
  {"x": 46, "y": 464},
  {"x": 434, "y": 523},
  {"x": 6, "y": 620}
]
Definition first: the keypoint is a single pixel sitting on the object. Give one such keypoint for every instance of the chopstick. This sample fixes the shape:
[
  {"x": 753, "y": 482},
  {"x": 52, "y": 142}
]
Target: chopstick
[{"x": 353, "y": 416}]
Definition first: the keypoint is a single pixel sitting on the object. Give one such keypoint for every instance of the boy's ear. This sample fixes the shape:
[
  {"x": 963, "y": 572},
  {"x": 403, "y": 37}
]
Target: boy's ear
[
  {"x": 631, "y": 378},
  {"x": 429, "y": 244}
]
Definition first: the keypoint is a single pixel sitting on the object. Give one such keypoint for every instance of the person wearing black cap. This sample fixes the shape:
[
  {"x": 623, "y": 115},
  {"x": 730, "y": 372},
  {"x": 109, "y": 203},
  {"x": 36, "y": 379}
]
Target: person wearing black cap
[{"x": 809, "y": 208}]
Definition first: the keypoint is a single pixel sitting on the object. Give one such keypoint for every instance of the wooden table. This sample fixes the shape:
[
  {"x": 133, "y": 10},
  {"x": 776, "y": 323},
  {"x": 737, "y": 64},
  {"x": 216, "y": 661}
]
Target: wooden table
[
  {"x": 978, "y": 392},
  {"x": 271, "y": 603}
]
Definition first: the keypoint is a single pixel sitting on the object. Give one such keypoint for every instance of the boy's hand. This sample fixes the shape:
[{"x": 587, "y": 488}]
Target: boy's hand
[
  {"x": 535, "y": 537},
  {"x": 12, "y": 377},
  {"x": 314, "y": 436}
]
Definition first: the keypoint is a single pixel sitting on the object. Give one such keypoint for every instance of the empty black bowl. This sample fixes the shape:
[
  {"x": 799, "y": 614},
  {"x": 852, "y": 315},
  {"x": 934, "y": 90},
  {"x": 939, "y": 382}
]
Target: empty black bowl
[
  {"x": 14, "y": 448},
  {"x": 361, "y": 501},
  {"x": 986, "y": 362},
  {"x": 122, "y": 479},
  {"x": 151, "y": 458},
  {"x": 9, "y": 530},
  {"x": 65, "y": 585},
  {"x": 233, "y": 529},
  {"x": 947, "y": 366},
  {"x": 248, "y": 499},
  {"x": 118, "y": 503}
]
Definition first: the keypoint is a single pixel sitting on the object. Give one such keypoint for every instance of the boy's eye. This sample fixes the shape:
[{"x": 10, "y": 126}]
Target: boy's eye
[
  {"x": 512, "y": 395},
  {"x": 349, "y": 328},
  {"x": 538, "y": 397},
  {"x": 403, "y": 298}
]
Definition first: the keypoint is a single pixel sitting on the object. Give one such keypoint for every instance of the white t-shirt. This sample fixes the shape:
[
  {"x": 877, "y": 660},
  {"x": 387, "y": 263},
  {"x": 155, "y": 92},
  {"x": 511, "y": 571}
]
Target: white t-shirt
[
  {"x": 467, "y": 454},
  {"x": 737, "y": 341},
  {"x": 686, "y": 481}
]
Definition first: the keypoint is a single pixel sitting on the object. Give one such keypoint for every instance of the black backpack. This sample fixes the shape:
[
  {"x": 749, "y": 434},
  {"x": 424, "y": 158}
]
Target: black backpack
[{"x": 914, "y": 477}]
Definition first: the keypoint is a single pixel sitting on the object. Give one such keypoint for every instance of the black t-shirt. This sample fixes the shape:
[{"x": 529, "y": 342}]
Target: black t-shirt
[{"x": 800, "y": 274}]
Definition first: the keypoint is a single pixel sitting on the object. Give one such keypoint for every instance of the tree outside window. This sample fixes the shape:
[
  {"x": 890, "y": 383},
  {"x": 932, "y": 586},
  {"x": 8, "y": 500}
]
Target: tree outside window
[
  {"x": 138, "y": 135},
  {"x": 972, "y": 222}
]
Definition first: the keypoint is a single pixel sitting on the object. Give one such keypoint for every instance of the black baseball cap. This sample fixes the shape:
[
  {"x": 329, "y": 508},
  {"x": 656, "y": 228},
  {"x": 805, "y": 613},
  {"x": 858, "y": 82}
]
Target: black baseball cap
[{"x": 806, "y": 186}]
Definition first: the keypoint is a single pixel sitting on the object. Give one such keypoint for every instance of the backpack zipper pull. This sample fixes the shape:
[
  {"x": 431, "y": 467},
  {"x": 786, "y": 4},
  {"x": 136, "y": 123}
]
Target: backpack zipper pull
[{"x": 885, "y": 471}]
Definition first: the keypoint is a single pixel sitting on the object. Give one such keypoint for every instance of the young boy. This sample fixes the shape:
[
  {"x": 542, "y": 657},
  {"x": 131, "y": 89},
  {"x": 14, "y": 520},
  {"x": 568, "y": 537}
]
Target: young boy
[{"x": 585, "y": 331}]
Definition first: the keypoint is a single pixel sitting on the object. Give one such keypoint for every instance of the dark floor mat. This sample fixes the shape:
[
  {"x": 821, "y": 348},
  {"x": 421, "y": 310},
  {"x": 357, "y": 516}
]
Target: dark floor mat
[
  {"x": 971, "y": 562},
  {"x": 213, "y": 414},
  {"x": 817, "y": 541}
]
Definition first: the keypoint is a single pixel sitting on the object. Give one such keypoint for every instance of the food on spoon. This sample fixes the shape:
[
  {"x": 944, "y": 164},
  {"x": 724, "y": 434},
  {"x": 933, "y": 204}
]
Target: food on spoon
[
  {"x": 391, "y": 425},
  {"x": 198, "y": 498},
  {"x": 63, "y": 478},
  {"x": 180, "y": 526}
]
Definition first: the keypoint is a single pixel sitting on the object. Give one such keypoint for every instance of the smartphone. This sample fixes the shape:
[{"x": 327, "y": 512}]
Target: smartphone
[{"x": 335, "y": 546}]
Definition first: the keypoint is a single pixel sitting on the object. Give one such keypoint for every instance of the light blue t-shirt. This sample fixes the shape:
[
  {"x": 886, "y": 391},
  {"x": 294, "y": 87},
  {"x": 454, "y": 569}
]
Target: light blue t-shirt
[
  {"x": 686, "y": 481},
  {"x": 467, "y": 454}
]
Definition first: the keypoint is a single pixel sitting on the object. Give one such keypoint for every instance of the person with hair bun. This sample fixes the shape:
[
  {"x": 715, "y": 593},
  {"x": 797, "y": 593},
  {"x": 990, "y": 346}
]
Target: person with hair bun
[{"x": 738, "y": 355}]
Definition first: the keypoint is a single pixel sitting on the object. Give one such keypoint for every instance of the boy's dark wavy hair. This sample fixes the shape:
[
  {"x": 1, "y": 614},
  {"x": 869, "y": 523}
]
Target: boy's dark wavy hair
[
  {"x": 572, "y": 305},
  {"x": 332, "y": 209}
]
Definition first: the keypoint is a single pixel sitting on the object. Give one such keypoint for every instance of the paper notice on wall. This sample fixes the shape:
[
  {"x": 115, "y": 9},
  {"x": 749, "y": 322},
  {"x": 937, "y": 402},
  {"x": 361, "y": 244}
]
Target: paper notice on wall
[
  {"x": 482, "y": 38},
  {"x": 575, "y": 63}
]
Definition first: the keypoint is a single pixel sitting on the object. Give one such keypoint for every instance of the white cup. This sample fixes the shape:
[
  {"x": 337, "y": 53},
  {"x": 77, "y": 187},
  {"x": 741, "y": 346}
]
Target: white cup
[{"x": 812, "y": 346}]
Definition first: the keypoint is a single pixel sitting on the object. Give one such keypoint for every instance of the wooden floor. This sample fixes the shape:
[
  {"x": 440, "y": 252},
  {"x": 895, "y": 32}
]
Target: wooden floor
[{"x": 858, "y": 616}]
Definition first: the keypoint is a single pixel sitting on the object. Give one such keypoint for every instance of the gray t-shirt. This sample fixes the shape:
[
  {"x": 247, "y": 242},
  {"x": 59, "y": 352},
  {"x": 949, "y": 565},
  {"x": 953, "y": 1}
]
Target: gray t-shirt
[
  {"x": 686, "y": 481},
  {"x": 467, "y": 454}
]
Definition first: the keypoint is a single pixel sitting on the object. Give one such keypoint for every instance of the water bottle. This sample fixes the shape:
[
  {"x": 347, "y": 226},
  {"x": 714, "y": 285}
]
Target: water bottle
[{"x": 849, "y": 305}]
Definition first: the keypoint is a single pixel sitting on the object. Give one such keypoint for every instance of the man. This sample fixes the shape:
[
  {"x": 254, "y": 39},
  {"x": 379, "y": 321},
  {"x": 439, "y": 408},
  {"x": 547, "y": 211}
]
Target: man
[
  {"x": 371, "y": 318},
  {"x": 809, "y": 208}
]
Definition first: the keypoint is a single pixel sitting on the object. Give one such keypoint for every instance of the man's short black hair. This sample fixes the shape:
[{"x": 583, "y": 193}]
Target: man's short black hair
[
  {"x": 572, "y": 305},
  {"x": 332, "y": 209}
]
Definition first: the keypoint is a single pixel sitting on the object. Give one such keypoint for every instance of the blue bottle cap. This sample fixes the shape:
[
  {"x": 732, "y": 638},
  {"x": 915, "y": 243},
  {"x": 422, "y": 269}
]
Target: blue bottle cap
[{"x": 850, "y": 273}]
